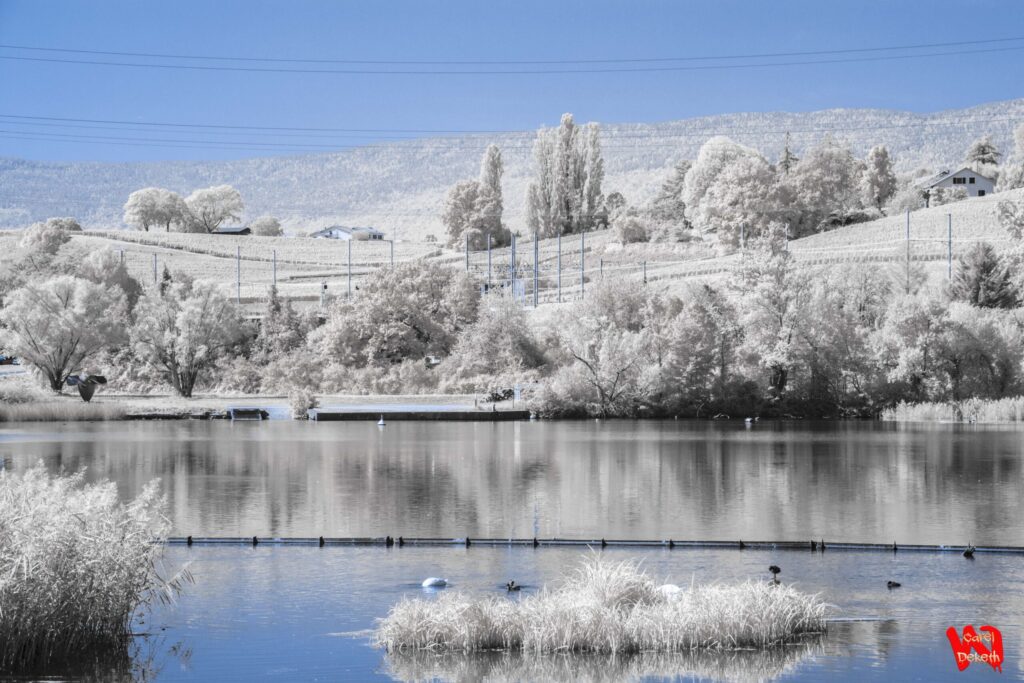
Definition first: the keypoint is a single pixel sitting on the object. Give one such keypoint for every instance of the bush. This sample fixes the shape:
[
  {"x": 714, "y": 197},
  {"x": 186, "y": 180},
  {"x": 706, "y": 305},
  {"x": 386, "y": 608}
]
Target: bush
[
  {"x": 301, "y": 401},
  {"x": 21, "y": 390},
  {"x": 76, "y": 566}
]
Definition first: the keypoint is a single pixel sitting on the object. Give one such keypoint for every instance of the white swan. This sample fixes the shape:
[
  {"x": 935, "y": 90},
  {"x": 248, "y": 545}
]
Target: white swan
[
  {"x": 669, "y": 591},
  {"x": 380, "y": 422},
  {"x": 434, "y": 582}
]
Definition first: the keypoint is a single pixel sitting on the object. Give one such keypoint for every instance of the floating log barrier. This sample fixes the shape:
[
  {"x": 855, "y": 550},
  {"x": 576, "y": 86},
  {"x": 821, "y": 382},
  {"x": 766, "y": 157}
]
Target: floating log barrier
[
  {"x": 671, "y": 544},
  {"x": 320, "y": 415}
]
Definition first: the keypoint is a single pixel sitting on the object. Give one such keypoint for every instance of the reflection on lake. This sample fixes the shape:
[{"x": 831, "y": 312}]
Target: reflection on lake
[{"x": 859, "y": 481}]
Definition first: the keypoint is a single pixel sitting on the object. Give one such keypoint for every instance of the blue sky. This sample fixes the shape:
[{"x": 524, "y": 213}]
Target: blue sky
[{"x": 493, "y": 31}]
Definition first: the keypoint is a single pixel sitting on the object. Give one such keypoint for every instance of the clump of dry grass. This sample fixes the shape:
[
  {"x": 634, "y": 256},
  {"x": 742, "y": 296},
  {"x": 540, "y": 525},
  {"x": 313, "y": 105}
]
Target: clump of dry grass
[
  {"x": 76, "y": 567},
  {"x": 1009, "y": 409},
  {"x": 608, "y": 608},
  {"x": 61, "y": 411}
]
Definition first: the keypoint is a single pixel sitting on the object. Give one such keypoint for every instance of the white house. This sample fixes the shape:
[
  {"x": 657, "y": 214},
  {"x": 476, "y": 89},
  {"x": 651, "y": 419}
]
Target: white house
[
  {"x": 974, "y": 184},
  {"x": 341, "y": 232}
]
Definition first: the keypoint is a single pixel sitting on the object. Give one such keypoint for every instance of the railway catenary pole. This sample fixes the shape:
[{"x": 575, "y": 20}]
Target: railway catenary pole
[
  {"x": 349, "y": 267},
  {"x": 583, "y": 270},
  {"x": 238, "y": 274},
  {"x": 559, "y": 268},
  {"x": 536, "y": 274},
  {"x": 949, "y": 246}
]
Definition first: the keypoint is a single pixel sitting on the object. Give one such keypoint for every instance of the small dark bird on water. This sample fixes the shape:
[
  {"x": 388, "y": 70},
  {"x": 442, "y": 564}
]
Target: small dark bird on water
[
  {"x": 969, "y": 552},
  {"x": 774, "y": 569},
  {"x": 892, "y": 584},
  {"x": 511, "y": 586}
]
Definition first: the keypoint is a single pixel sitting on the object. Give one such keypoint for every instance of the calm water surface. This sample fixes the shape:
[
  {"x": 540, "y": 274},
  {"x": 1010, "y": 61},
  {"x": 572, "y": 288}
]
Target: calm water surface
[{"x": 301, "y": 613}]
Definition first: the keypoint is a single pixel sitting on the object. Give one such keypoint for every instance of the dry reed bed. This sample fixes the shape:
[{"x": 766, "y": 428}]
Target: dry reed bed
[
  {"x": 76, "y": 567},
  {"x": 62, "y": 411},
  {"x": 1009, "y": 409},
  {"x": 605, "y": 607}
]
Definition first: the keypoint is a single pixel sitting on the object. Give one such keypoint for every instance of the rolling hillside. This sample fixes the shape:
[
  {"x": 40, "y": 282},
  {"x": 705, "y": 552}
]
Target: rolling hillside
[{"x": 399, "y": 186}]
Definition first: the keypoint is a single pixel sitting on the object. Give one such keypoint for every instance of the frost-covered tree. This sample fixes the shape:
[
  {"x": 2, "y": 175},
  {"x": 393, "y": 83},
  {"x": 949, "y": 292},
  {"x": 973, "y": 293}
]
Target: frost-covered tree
[
  {"x": 408, "y": 312},
  {"x": 565, "y": 195},
  {"x": 787, "y": 160},
  {"x": 66, "y": 223},
  {"x": 210, "y": 207},
  {"x": 729, "y": 187},
  {"x": 983, "y": 154},
  {"x": 770, "y": 294},
  {"x": 825, "y": 182},
  {"x": 154, "y": 206},
  {"x": 878, "y": 182},
  {"x": 266, "y": 226},
  {"x": 983, "y": 280},
  {"x": 60, "y": 324},
  {"x": 668, "y": 210},
  {"x": 1012, "y": 175},
  {"x": 184, "y": 331},
  {"x": 281, "y": 330},
  {"x": 473, "y": 208},
  {"x": 500, "y": 342},
  {"x": 105, "y": 267},
  {"x": 1011, "y": 217},
  {"x": 44, "y": 238}
]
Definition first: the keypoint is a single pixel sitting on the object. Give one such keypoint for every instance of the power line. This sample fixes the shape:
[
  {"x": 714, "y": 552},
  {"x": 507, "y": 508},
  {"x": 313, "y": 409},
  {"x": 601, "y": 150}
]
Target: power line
[
  {"x": 508, "y": 72},
  {"x": 470, "y": 62}
]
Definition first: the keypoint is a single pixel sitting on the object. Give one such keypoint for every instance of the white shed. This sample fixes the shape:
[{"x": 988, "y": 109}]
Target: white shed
[{"x": 341, "y": 232}]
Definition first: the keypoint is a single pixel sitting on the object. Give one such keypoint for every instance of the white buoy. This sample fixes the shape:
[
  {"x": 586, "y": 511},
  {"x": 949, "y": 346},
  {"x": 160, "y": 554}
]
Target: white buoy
[
  {"x": 380, "y": 422},
  {"x": 434, "y": 582}
]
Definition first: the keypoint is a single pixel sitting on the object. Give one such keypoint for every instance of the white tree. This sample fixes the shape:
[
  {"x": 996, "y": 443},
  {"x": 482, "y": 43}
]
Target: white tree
[
  {"x": 878, "y": 183},
  {"x": 210, "y": 207},
  {"x": 1012, "y": 175},
  {"x": 154, "y": 206},
  {"x": 983, "y": 153},
  {"x": 184, "y": 330},
  {"x": 825, "y": 182},
  {"x": 266, "y": 226},
  {"x": 45, "y": 238},
  {"x": 729, "y": 187},
  {"x": 473, "y": 208},
  {"x": 565, "y": 195},
  {"x": 61, "y": 323}
]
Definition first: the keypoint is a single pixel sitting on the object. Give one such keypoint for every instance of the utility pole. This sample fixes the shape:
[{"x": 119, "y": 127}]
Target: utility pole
[
  {"x": 949, "y": 246},
  {"x": 154, "y": 268},
  {"x": 467, "y": 253},
  {"x": 275, "y": 268},
  {"x": 743, "y": 236},
  {"x": 349, "y": 267},
  {"x": 583, "y": 249},
  {"x": 238, "y": 274},
  {"x": 559, "y": 267},
  {"x": 645, "y": 272},
  {"x": 512, "y": 267},
  {"x": 488, "y": 261},
  {"x": 536, "y": 274},
  {"x": 908, "y": 251},
  {"x": 122, "y": 256},
  {"x": 600, "y": 268},
  {"x": 391, "y": 245}
]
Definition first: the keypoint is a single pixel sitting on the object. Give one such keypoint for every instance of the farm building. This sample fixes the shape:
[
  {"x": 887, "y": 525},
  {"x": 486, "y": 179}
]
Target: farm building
[
  {"x": 234, "y": 230},
  {"x": 341, "y": 232},
  {"x": 974, "y": 184}
]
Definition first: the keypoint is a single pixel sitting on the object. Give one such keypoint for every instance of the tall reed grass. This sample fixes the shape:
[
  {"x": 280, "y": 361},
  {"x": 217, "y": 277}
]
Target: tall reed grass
[
  {"x": 76, "y": 568},
  {"x": 969, "y": 410},
  {"x": 606, "y": 608},
  {"x": 70, "y": 410}
]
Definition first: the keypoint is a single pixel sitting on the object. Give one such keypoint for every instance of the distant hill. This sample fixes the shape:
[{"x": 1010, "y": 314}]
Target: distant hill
[{"x": 399, "y": 187}]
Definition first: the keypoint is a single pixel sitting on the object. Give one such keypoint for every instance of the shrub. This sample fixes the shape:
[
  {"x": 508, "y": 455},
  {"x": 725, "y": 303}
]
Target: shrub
[
  {"x": 76, "y": 566},
  {"x": 301, "y": 401}
]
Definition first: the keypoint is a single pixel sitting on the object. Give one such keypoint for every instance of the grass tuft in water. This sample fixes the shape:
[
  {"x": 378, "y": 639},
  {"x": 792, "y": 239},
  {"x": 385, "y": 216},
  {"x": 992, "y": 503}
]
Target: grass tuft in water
[
  {"x": 76, "y": 567},
  {"x": 606, "y": 607}
]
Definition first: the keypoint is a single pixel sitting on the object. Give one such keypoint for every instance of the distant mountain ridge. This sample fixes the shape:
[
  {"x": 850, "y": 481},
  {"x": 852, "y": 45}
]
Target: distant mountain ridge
[{"x": 399, "y": 187}]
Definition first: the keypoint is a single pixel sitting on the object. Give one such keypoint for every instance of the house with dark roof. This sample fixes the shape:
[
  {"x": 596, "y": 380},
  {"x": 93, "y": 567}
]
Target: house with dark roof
[{"x": 232, "y": 230}]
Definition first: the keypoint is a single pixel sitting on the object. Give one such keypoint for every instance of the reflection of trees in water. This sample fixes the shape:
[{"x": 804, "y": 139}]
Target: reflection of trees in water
[
  {"x": 613, "y": 478},
  {"x": 731, "y": 665}
]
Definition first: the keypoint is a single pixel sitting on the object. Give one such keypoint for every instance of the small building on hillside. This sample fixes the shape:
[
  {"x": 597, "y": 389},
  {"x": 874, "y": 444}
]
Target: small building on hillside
[
  {"x": 341, "y": 232},
  {"x": 233, "y": 230},
  {"x": 971, "y": 182}
]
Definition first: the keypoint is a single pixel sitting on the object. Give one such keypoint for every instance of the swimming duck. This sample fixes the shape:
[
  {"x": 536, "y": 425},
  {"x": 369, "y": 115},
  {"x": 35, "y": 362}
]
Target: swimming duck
[{"x": 434, "y": 582}]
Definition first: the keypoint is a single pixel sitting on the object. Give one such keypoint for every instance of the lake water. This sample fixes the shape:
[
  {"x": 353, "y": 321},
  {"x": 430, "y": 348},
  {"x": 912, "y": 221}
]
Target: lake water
[{"x": 300, "y": 613}]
